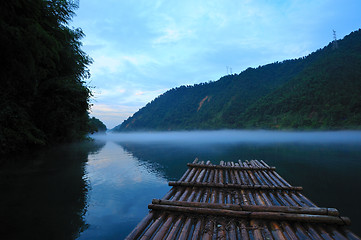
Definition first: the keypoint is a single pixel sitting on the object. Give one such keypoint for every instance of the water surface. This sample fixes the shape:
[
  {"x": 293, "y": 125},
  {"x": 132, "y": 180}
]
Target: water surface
[{"x": 101, "y": 189}]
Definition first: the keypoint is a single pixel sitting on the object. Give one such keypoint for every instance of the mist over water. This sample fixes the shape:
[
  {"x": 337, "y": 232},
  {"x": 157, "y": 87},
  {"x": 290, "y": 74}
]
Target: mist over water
[
  {"x": 236, "y": 136},
  {"x": 101, "y": 189},
  {"x": 326, "y": 163}
]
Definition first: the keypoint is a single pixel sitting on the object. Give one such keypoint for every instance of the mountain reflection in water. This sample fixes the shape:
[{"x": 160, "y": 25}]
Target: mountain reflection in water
[
  {"x": 326, "y": 164},
  {"x": 43, "y": 194},
  {"x": 101, "y": 189}
]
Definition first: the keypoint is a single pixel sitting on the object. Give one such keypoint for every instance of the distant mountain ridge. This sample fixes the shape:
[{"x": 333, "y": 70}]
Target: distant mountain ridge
[{"x": 320, "y": 91}]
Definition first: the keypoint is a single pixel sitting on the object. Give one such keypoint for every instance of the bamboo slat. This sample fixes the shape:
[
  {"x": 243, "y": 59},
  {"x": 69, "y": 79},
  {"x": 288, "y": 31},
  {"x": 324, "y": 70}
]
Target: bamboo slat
[
  {"x": 198, "y": 165},
  {"x": 255, "y": 215},
  {"x": 238, "y": 200},
  {"x": 140, "y": 227},
  {"x": 253, "y": 208},
  {"x": 238, "y": 186}
]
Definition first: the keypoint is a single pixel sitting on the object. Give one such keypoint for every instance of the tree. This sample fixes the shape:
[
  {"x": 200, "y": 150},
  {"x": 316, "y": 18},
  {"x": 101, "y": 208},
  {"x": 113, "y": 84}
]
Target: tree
[{"x": 43, "y": 95}]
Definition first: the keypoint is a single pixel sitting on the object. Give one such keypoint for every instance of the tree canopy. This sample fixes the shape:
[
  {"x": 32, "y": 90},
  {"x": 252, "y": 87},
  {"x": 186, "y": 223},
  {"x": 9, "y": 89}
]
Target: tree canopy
[{"x": 43, "y": 96}]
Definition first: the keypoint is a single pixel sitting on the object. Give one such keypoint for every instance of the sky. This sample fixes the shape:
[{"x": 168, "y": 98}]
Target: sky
[{"x": 141, "y": 49}]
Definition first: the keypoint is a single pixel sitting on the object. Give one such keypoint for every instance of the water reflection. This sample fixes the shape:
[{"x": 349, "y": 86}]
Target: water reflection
[
  {"x": 100, "y": 190},
  {"x": 328, "y": 170},
  {"x": 43, "y": 194},
  {"x": 121, "y": 191}
]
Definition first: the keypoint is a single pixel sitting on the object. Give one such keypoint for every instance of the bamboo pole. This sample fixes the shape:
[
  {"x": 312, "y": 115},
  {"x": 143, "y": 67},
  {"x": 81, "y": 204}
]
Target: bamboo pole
[
  {"x": 178, "y": 194},
  {"x": 201, "y": 175},
  {"x": 299, "y": 201},
  {"x": 338, "y": 235},
  {"x": 236, "y": 186},
  {"x": 251, "y": 175},
  {"x": 169, "y": 194},
  {"x": 306, "y": 200},
  {"x": 255, "y": 215},
  {"x": 232, "y": 177},
  {"x": 277, "y": 231},
  {"x": 192, "y": 194},
  {"x": 213, "y": 198},
  {"x": 185, "y": 175},
  {"x": 301, "y": 232},
  {"x": 268, "y": 176},
  {"x": 216, "y": 177},
  {"x": 140, "y": 227},
  {"x": 196, "y": 174},
  {"x": 266, "y": 199},
  {"x": 251, "y": 198},
  {"x": 230, "y": 167},
  {"x": 266, "y": 232},
  {"x": 324, "y": 234},
  {"x": 221, "y": 231},
  {"x": 311, "y": 231},
  {"x": 229, "y": 197},
  {"x": 243, "y": 231},
  {"x": 243, "y": 178},
  {"x": 265, "y": 164},
  {"x": 274, "y": 199},
  {"x": 288, "y": 230},
  {"x": 185, "y": 194},
  {"x": 274, "y": 179},
  {"x": 221, "y": 181},
  {"x": 164, "y": 228},
  {"x": 259, "y": 199},
  {"x": 262, "y": 179},
  {"x": 185, "y": 229},
  {"x": 256, "y": 230},
  {"x": 199, "y": 195},
  {"x": 232, "y": 230},
  {"x": 289, "y": 199},
  {"x": 190, "y": 175},
  {"x": 237, "y": 198},
  {"x": 197, "y": 230},
  {"x": 175, "y": 228},
  {"x": 282, "y": 200},
  {"x": 151, "y": 230},
  {"x": 280, "y": 178},
  {"x": 208, "y": 230},
  {"x": 247, "y": 176},
  {"x": 244, "y": 198}
]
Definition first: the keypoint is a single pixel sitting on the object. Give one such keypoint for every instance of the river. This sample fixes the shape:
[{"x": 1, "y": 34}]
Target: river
[{"x": 101, "y": 189}]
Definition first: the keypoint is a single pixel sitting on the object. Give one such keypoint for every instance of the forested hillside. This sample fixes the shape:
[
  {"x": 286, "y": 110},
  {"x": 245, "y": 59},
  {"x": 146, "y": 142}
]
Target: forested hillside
[
  {"x": 327, "y": 94},
  {"x": 43, "y": 96},
  {"x": 322, "y": 90}
]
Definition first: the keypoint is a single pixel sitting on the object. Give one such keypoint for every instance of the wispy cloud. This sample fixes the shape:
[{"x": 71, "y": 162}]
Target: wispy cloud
[{"x": 142, "y": 48}]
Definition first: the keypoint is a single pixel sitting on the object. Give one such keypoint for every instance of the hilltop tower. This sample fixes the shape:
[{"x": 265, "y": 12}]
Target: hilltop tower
[{"x": 335, "y": 44}]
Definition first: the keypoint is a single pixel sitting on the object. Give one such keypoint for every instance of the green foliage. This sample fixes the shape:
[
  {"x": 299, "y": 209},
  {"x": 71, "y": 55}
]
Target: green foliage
[
  {"x": 43, "y": 97},
  {"x": 320, "y": 91},
  {"x": 96, "y": 125},
  {"x": 326, "y": 95}
]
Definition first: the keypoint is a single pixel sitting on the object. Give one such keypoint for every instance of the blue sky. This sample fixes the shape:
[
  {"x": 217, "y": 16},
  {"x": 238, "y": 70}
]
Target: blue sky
[{"x": 143, "y": 48}]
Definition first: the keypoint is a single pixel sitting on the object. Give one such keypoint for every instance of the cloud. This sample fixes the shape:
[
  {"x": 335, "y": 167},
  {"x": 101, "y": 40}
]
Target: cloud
[
  {"x": 112, "y": 115},
  {"x": 141, "y": 49}
]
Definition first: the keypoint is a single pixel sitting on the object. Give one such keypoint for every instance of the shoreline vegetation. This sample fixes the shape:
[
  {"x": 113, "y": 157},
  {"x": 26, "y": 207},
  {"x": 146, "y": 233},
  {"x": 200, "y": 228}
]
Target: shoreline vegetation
[
  {"x": 321, "y": 91},
  {"x": 44, "y": 99}
]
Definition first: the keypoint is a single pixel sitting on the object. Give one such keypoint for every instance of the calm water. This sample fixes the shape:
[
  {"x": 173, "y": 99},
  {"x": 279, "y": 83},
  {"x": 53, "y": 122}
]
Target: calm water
[{"x": 101, "y": 189}]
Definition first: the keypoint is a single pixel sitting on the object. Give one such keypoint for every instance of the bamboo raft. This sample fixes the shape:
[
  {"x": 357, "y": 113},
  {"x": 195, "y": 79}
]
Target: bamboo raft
[{"x": 242, "y": 200}]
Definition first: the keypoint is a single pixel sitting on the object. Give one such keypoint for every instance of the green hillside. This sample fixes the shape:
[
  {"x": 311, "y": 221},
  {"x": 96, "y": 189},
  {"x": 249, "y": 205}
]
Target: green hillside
[
  {"x": 326, "y": 94},
  {"x": 321, "y": 90}
]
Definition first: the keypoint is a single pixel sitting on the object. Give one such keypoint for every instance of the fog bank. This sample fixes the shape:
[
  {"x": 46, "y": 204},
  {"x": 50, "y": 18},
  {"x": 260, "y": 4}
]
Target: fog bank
[{"x": 236, "y": 136}]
